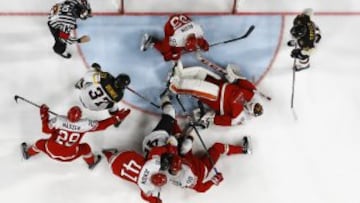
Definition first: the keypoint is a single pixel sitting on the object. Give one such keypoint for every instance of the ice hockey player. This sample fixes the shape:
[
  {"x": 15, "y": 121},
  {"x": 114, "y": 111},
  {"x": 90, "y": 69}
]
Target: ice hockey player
[
  {"x": 62, "y": 23},
  {"x": 194, "y": 171},
  {"x": 181, "y": 34},
  {"x": 232, "y": 99},
  {"x": 99, "y": 90},
  {"x": 306, "y": 35},
  {"x": 147, "y": 172},
  {"x": 66, "y": 133},
  {"x": 167, "y": 131}
]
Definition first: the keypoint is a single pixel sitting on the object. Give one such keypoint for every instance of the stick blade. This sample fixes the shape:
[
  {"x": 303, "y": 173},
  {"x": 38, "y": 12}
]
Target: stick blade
[{"x": 16, "y": 97}]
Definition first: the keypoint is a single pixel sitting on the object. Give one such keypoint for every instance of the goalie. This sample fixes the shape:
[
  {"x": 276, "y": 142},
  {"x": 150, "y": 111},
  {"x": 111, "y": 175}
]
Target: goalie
[{"x": 232, "y": 99}]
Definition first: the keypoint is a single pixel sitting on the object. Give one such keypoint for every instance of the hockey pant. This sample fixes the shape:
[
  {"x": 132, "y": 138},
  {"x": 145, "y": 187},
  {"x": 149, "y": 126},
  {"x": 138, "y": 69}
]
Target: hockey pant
[
  {"x": 218, "y": 149},
  {"x": 83, "y": 150},
  {"x": 59, "y": 46},
  {"x": 193, "y": 81}
]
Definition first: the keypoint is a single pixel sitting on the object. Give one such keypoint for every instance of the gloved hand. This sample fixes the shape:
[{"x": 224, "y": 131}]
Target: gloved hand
[
  {"x": 207, "y": 119},
  {"x": 171, "y": 56},
  {"x": 216, "y": 179},
  {"x": 44, "y": 112},
  {"x": 121, "y": 114},
  {"x": 204, "y": 45},
  {"x": 296, "y": 53}
]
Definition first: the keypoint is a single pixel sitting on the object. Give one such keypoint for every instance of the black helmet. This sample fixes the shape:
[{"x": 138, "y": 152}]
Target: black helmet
[
  {"x": 122, "y": 80},
  {"x": 78, "y": 10},
  {"x": 298, "y": 30},
  {"x": 165, "y": 161}
]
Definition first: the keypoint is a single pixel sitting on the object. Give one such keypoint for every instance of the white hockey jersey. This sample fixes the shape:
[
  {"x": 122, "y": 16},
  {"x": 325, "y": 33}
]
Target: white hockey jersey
[
  {"x": 150, "y": 167},
  {"x": 92, "y": 94}
]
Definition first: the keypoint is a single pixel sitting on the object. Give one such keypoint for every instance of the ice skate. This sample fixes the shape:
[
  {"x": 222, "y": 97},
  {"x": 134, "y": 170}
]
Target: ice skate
[
  {"x": 246, "y": 145},
  {"x": 111, "y": 150},
  {"x": 97, "y": 160},
  {"x": 146, "y": 42},
  {"x": 24, "y": 151},
  {"x": 65, "y": 55},
  {"x": 79, "y": 84}
]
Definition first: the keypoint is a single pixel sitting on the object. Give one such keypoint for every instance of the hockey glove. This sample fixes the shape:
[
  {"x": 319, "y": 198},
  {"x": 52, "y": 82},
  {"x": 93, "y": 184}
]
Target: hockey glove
[
  {"x": 217, "y": 179},
  {"x": 204, "y": 45},
  {"x": 44, "y": 112},
  {"x": 296, "y": 53},
  {"x": 171, "y": 56},
  {"x": 291, "y": 43},
  {"x": 122, "y": 114}
]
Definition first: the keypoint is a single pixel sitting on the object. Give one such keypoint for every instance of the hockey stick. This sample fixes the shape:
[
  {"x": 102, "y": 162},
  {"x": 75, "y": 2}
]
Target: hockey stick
[
  {"x": 142, "y": 97},
  {"x": 293, "y": 90},
  {"x": 17, "y": 97},
  {"x": 248, "y": 32},
  {"x": 203, "y": 144},
  {"x": 223, "y": 71},
  {"x": 201, "y": 140}
]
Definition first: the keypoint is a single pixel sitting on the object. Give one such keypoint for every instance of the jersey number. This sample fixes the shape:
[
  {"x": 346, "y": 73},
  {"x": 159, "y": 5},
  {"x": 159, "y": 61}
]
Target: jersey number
[
  {"x": 178, "y": 21},
  {"x": 96, "y": 94},
  {"x": 67, "y": 139}
]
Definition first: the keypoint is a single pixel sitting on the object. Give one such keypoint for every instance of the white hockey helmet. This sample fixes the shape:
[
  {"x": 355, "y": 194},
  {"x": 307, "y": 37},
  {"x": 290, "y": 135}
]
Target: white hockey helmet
[{"x": 308, "y": 11}]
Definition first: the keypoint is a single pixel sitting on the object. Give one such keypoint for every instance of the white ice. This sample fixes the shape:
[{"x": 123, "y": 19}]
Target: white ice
[{"x": 315, "y": 159}]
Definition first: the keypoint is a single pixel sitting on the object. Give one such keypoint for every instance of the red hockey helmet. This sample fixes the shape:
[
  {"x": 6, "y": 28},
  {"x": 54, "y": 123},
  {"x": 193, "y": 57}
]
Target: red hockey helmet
[
  {"x": 191, "y": 43},
  {"x": 175, "y": 166},
  {"x": 158, "y": 179},
  {"x": 74, "y": 114}
]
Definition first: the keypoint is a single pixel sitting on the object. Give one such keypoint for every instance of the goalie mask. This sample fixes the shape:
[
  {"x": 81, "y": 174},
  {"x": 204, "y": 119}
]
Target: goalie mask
[
  {"x": 254, "y": 109},
  {"x": 74, "y": 114},
  {"x": 122, "y": 81}
]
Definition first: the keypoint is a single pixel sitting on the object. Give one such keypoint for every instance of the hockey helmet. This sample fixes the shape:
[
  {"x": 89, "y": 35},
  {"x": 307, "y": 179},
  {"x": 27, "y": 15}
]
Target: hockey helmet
[
  {"x": 79, "y": 11},
  {"x": 74, "y": 114},
  {"x": 191, "y": 43},
  {"x": 298, "y": 31},
  {"x": 257, "y": 109},
  {"x": 158, "y": 179},
  {"x": 122, "y": 80},
  {"x": 171, "y": 163}
]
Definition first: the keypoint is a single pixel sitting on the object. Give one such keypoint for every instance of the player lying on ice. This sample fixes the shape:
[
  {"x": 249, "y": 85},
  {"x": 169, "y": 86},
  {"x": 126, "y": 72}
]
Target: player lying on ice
[
  {"x": 232, "y": 100},
  {"x": 99, "y": 90},
  {"x": 195, "y": 171},
  {"x": 181, "y": 34},
  {"x": 160, "y": 148},
  {"x": 66, "y": 133}
]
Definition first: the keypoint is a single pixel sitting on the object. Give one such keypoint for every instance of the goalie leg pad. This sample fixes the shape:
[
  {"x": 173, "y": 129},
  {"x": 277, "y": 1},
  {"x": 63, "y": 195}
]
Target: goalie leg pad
[{"x": 196, "y": 88}]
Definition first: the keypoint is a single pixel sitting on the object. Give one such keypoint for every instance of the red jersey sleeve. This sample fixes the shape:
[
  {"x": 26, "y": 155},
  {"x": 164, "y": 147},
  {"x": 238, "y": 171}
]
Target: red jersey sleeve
[
  {"x": 223, "y": 120},
  {"x": 102, "y": 125},
  {"x": 203, "y": 187},
  {"x": 245, "y": 84}
]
